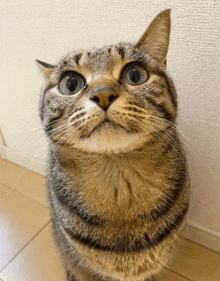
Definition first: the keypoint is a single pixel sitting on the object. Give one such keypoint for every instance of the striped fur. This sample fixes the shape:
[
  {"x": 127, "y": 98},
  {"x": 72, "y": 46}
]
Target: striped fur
[{"x": 117, "y": 176}]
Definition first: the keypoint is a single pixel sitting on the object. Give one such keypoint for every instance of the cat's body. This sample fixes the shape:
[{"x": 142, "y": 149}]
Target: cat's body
[{"x": 117, "y": 183}]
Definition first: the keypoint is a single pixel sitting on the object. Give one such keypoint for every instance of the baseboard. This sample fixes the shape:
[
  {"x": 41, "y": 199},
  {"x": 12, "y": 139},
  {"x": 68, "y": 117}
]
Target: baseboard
[
  {"x": 34, "y": 165},
  {"x": 2, "y": 151},
  {"x": 202, "y": 235},
  {"x": 193, "y": 231}
]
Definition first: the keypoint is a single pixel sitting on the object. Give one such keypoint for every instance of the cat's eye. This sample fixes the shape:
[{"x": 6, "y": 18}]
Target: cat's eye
[
  {"x": 134, "y": 75},
  {"x": 71, "y": 84}
]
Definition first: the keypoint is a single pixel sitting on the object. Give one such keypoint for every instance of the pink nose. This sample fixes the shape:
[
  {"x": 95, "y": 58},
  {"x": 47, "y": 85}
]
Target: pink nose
[{"x": 103, "y": 96}]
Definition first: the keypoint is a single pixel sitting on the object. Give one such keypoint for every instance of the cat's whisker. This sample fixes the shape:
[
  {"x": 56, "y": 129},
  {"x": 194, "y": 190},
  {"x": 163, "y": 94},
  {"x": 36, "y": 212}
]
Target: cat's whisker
[
  {"x": 162, "y": 138},
  {"x": 25, "y": 170},
  {"x": 200, "y": 121},
  {"x": 170, "y": 133},
  {"x": 33, "y": 133},
  {"x": 186, "y": 143},
  {"x": 32, "y": 129},
  {"x": 57, "y": 130},
  {"x": 63, "y": 139}
]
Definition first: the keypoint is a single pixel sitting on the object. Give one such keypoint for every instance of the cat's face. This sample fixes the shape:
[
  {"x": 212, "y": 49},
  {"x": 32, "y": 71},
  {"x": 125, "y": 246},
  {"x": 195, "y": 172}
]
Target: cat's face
[{"x": 113, "y": 99}]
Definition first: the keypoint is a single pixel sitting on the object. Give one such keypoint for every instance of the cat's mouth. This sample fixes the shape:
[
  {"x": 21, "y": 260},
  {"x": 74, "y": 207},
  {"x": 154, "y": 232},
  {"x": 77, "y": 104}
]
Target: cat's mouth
[{"x": 107, "y": 124}]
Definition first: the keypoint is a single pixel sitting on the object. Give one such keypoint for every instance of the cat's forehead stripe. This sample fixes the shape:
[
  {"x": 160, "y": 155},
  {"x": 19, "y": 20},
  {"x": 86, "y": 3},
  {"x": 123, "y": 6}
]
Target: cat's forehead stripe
[
  {"x": 121, "y": 52},
  {"x": 103, "y": 56},
  {"x": 77, "y": 58}
]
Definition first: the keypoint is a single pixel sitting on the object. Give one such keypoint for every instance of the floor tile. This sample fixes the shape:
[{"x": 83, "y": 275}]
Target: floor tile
[
  {"x": 10, "y": 173},
  {"x": 23, "y": 180},
  {"x": 196, "y": 262},
  {"x": 39, "y": 261},
  {"x": 20, "y": 219},
  {"x": 168, "y": 275},
  {"x": 34, "y": 186}
]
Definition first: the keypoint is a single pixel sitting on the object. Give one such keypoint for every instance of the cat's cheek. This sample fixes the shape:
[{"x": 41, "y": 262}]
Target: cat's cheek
[{"x": 53, "y": 108}]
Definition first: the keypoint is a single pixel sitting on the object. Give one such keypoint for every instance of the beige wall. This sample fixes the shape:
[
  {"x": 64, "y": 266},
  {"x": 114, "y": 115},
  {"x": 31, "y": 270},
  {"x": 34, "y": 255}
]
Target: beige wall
[{"x": 47, "y": 29}]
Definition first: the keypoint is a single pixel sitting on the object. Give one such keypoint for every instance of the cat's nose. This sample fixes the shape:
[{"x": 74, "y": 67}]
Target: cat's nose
[{"x": 103, "y": 96}]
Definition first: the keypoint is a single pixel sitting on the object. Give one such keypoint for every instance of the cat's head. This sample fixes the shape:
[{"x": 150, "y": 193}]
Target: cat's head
[{"x": 114, "y": 99}]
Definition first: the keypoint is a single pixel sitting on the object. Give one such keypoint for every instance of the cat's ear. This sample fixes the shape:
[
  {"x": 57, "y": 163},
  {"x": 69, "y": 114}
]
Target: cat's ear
[
  {"x": 45, "y": 68},
  {"x": 155, "y": 39}
]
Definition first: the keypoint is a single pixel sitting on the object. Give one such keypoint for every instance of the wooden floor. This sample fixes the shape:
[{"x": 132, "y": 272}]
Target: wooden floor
[{"x": 27, "y": 252}]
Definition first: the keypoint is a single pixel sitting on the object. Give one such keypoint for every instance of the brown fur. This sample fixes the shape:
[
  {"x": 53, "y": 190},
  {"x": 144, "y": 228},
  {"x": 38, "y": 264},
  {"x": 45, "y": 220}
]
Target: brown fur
[{"x": 117, "y": 189}]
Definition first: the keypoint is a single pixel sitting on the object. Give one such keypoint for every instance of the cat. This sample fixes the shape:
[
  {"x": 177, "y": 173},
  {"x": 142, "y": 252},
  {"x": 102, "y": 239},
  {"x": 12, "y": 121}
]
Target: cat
[{"x": 117, "y": 175}]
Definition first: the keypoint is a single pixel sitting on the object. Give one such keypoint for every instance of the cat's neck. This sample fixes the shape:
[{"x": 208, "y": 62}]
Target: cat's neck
[
  {"x": 116, "y": 183},
  {"x": 83, "y": 161}
]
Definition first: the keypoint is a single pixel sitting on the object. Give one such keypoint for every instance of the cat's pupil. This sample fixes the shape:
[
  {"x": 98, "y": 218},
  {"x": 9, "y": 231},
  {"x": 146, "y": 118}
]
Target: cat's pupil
[
  {"x": 71, "y": 84},
  {"x": 134, "y": 75}
]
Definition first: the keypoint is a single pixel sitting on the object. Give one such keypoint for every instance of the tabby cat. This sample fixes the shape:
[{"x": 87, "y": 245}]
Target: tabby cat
[{"x": 117, "y": 177}]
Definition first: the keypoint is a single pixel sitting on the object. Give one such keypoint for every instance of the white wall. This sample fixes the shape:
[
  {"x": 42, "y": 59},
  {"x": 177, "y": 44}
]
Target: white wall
[{"x": 47, "y": 29}]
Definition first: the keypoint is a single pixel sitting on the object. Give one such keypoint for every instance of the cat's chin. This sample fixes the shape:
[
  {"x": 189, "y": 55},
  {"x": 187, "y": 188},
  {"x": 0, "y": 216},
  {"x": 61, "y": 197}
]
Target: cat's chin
[{"x": 111, "y": 140}]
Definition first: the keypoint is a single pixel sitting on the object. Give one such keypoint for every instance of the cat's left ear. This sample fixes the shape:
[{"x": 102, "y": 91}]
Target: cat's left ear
[
  {"x": 45, "y": 68},
  {"x": 155, "y": 39}
]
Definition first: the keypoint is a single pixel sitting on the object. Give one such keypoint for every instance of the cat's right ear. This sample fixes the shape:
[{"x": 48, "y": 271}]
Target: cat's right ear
[
  {"x": 155, "y": 39},
  {"x": 45, "y": 68}
]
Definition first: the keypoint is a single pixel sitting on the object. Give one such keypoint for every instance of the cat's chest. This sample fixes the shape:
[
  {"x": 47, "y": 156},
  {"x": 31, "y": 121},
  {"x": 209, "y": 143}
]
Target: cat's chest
[{"x": 117, "y": 188}]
